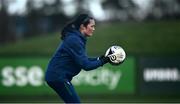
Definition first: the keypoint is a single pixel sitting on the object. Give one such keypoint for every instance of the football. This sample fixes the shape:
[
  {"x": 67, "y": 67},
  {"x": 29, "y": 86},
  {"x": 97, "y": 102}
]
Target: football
[{"x": 116, "y": 55}]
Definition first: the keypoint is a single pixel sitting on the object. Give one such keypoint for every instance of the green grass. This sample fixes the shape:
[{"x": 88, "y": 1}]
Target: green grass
[
  {"x": 160, "y": 37},
  {"x": 157, "y": 37},
  {"x": 41, "y": 45},
  {"x": 93, "y": 99}
]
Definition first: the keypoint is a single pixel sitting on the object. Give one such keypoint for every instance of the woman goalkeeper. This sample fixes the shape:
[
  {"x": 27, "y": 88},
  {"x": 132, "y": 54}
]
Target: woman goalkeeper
[{"x": 70, "y": 57}]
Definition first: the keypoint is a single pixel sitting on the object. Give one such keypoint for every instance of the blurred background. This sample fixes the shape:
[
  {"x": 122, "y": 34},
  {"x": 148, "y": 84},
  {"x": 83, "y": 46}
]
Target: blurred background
[{"x": 148, "y": 30}]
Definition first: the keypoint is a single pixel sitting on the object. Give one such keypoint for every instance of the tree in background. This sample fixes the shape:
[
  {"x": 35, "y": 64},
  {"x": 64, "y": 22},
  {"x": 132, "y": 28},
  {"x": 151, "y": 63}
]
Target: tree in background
[
  {"x": 26, "y": 18},
  {"x": 3, "y": 23}
]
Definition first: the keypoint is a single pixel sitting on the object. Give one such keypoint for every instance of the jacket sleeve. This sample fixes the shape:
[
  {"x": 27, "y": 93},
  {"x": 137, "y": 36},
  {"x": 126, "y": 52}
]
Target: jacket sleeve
[
  {"x": 76, "y": 48},
  {"x": 92, "y": 58}
]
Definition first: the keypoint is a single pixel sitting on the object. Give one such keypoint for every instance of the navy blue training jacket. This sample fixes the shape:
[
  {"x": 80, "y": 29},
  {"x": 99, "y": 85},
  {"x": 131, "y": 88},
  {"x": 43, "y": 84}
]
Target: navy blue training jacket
[{"x": 70, "y": 58}]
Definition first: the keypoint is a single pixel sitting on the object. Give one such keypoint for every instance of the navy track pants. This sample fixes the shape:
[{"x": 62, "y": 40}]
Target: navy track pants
[{"x": 65, "y": 90}]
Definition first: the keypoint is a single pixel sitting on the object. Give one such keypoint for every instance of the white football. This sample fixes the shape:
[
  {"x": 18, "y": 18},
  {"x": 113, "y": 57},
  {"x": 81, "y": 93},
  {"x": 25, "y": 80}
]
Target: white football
[{"x": 116, "y": 54}]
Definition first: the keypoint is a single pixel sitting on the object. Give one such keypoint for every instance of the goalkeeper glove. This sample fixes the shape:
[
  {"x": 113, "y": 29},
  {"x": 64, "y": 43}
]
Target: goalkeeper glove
[{"x": 104, "y": 59}]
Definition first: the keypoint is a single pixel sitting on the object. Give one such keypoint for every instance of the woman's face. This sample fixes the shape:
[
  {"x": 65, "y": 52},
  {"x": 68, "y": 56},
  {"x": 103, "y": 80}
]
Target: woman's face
[{"x": 89, "y": 29}]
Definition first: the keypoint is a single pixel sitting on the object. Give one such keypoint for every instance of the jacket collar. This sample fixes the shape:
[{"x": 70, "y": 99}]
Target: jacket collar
[
  {"x": 81, "y": 35},
  {"x": 78, "y": 33}
]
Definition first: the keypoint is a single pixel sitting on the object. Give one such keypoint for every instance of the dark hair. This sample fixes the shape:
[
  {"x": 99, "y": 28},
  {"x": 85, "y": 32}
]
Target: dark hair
[{"x": 75, "y": 24}]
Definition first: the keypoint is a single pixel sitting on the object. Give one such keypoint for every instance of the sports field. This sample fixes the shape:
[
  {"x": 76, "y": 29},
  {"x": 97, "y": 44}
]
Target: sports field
[
  {"x": 137, "y": 38},
  {"x": 150, "y": 38}
]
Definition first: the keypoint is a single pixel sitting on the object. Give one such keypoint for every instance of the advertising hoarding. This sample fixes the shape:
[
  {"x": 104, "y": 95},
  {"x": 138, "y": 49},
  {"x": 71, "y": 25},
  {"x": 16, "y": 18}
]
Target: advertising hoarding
[
  {"x": 25, "y": 76},
  {"x": 159, "y": 76}
]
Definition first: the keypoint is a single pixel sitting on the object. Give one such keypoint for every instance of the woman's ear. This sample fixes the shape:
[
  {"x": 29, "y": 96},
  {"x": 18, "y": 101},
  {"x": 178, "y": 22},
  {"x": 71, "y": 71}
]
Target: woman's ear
[{"x": 82, "y": 27}]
